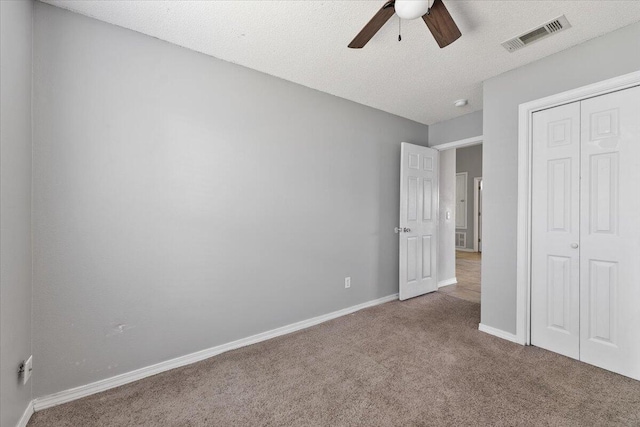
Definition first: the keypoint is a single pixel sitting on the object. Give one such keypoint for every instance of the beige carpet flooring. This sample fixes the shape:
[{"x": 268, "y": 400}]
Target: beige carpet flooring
[{"x": 421, "y": 362}]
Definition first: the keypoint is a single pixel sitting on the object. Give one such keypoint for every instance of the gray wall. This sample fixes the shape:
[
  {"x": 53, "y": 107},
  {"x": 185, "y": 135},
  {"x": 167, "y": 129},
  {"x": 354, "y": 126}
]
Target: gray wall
[
  {"x": 605, "y": 57},
  {"x": 462, "y": 127},
  {"x": 469, "y": 159},
  {"x": 182, "y": 202},
  {"x": 447, "y": 232},
  {"x": 15, "y": 205}
]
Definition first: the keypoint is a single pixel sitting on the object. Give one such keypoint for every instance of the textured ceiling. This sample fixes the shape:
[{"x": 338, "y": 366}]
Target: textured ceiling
[{"x": 306, "y": 42}]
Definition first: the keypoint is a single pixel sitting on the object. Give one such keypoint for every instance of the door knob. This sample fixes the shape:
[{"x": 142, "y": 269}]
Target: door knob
[
  {"x": 574, "y": 245},
  {"x": 401, "y": 230}
]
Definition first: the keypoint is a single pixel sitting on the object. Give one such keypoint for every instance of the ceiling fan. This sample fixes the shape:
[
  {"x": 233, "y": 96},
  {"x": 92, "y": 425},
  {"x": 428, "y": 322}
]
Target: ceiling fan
[{"x": 437, "y": 18}]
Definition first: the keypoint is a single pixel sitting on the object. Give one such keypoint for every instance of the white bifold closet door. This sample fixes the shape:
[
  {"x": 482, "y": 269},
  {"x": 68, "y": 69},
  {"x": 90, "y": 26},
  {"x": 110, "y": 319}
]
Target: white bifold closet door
[
  {"x": 585, "y": 283},
  {"x": 555, "y": 222},
  {"x": 610, "y": 232}
]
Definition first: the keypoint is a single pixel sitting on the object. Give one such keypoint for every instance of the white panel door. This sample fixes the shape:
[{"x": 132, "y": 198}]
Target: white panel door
[
  {"x": 610, "y": 232},
  {"x": 418, "y": 220},
  {"x": 555, "y": 256}
]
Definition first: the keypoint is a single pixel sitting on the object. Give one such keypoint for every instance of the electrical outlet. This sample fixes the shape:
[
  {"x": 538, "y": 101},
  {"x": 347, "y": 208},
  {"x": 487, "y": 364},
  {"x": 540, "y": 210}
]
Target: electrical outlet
[
  {"x": 347, "y": 282},
  {"x": 25, "y": 369}
]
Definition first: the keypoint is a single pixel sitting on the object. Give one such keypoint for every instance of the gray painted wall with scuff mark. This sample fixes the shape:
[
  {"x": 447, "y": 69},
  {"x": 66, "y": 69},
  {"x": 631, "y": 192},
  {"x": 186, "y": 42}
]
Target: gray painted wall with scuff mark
[{"x": 182, "y": 202}]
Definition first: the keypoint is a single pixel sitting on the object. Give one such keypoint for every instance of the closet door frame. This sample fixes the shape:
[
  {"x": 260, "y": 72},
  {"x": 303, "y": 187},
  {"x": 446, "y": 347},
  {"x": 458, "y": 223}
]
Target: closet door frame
[{"x": 525, "y": 138}]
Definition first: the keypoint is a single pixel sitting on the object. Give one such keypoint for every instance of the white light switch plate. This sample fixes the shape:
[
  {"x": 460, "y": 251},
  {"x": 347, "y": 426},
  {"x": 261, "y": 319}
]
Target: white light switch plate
[{"x": 28, "y": 367}]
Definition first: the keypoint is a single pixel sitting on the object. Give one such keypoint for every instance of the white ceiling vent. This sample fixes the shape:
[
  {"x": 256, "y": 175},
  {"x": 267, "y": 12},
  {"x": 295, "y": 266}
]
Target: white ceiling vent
[{"x": 545, "y": 30}]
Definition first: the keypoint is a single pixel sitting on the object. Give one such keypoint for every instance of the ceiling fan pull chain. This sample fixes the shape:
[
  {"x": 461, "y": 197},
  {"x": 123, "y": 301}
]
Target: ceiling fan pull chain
[{"x": 399, "y": 29}]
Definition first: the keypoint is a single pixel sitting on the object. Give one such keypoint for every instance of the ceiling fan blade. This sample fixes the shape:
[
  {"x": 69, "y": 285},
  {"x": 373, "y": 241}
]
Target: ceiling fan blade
[
  {"x": 441, "y": 24},
  {"x": 372, "y": 27}
]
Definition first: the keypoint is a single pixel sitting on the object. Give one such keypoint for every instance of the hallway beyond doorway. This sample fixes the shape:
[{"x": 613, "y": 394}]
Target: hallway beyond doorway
[{"x": 468, "y": 276}]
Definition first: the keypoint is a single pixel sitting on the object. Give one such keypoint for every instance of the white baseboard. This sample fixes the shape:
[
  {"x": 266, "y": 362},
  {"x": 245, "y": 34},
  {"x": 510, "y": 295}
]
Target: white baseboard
[
  {"x": 447, "y": 282},
  {"x": 465, "y": 249},
  {"x": 26, "y": 416},
  {"x": 500, "y": 334},
  {"x": 122, "y": 379}
]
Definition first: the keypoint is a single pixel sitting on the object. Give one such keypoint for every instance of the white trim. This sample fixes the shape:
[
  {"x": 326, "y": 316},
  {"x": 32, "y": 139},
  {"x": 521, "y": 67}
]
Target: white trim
[
  {"x": 467, "y": 142},
  {"x": 499, "y": 333},
  {"x": 466, "y": 201},
  {"x": 447, "y": 282},
  {"x": 525, "y": 113},
  {"x": 26, "y": 416},
  {"x": 476, "y": 206},
  {"x": 465, "y": 249},
  {"x": 109, "y": 383}
]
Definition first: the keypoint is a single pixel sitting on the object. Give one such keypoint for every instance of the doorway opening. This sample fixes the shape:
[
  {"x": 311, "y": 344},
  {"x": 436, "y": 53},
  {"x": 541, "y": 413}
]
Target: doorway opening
[{"x": 461, "y": 220}]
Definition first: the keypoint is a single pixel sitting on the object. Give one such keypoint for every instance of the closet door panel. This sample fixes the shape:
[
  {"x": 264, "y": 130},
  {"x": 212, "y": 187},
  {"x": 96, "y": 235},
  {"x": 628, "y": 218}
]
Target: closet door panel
[
  {"x": 555, "y": 221},
  {"x": 610, "y": 232}
]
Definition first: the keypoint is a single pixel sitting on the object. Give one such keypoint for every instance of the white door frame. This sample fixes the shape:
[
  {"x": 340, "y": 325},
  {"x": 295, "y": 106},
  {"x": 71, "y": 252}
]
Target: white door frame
[
  {"x": 467, "y": 142},
  {"x": 464, "y": 226},
  {"x": 461, "y": 143},
  {"x": 525, "y": 115},
  {"x": 476, "y": 209}
]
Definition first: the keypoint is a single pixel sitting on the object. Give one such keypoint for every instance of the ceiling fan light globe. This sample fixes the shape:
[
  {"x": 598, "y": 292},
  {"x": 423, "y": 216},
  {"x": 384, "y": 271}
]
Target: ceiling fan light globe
[{"x": 411, "y": 9}]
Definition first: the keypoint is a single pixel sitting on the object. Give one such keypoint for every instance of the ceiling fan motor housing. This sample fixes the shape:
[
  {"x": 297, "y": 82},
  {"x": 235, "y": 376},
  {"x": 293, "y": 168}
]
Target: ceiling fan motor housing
[
  {"x": 411, "y": 9},
  {"x": 437, "y": 17}
]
